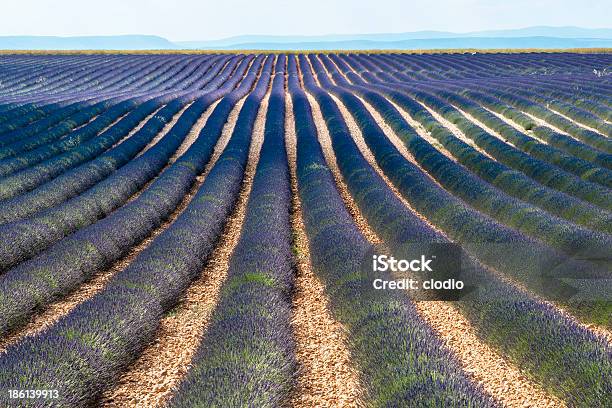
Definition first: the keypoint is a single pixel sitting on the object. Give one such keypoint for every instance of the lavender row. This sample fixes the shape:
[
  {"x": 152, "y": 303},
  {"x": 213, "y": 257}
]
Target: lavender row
[
  {"x": 50, "y": 79},
  {"x": 67, "y": 112},
  {"x": 538, "y": 110},
  {"x": 73, "y": 84},
  {"x": 567, "y": 108},
  {"x": 551, "y": 137},
  {"x": 538, "y": 183},
  {"x": 18, "y": 120},
  {"x": 504, "y": 109},
  {"x": 501, "y": 176}
]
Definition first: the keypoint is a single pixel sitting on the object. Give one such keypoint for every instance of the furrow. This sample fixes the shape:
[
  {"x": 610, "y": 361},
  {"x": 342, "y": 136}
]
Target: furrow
[
  {"x": 575, "y": 122},
  {"x": 514, "y": 124},
  {"x": 455, "y": 130},
  {"x": 138, "y": 127},
  {"x": 165, "y": 130}
]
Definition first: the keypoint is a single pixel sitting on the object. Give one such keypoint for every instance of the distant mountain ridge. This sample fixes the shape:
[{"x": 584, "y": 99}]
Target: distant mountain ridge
[
  {"x": 539, "y": 31},
  {"x": 113, "y": 42},
  {"x": 531, "y": 37},
  {"x": 428, "y": 44}
]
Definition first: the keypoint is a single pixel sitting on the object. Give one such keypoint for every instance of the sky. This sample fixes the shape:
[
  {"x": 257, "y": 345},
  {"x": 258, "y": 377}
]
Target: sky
[{"x": 182, "y": 20}]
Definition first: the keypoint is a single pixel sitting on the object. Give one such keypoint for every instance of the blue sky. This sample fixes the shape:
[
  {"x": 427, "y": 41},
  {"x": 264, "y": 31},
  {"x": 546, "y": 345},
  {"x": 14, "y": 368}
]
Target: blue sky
[{"x": 206, "y": 20}]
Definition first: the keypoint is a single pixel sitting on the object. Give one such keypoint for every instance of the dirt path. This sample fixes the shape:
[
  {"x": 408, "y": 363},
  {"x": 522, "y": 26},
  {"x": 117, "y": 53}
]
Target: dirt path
[
  {"x": 580, "y": 125},
  {"x": 150, "y": 380},
  {"x": 113, "y": 123},
  {"x": 369, "y": 156},
  {"x": 454, "y": 129},
  {"x": 500, "y": 378},
  {"x": 484, "y": 127},
  {"x": 139, "y": 126},
  {"x": 164, "y": 130},
  {"x": 542, "y": 122},
  {"x": 421, "y": 131},
  {"x": 395, "y": 140},
  {"x": 326, "y": 377},
  {"x": 194, "y": 132}
]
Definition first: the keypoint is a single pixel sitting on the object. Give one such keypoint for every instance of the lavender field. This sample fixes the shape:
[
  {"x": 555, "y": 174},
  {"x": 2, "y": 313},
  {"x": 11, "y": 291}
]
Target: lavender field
[{"x": 197, "y": 230}]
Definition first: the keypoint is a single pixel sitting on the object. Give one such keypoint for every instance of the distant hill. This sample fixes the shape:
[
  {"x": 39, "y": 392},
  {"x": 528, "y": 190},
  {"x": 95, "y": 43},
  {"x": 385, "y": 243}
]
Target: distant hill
[
  {"x": 428, "y": 43},
  {"x": 531, "y": 37},
  {"x": 116, "y": 42},
  {"x": 275, "y": 41}
]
